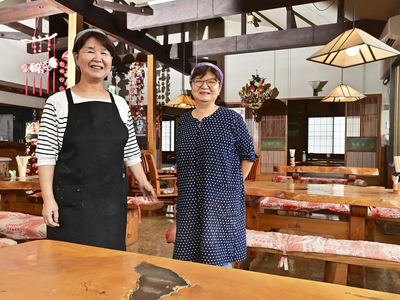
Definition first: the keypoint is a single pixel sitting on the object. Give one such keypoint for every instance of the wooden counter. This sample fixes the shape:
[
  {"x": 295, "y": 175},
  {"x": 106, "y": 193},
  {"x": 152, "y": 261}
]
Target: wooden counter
[{"x": 57, "y": 270}]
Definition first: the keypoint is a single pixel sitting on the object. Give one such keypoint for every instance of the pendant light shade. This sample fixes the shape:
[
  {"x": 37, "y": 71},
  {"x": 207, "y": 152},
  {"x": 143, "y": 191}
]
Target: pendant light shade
[
  {"x": 343, "y": 93},
  {"x": 351, "y": 48},
  {"x": 182, "y": 101}
]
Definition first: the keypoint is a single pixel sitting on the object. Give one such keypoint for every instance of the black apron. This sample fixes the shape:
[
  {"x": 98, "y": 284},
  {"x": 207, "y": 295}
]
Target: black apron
[{"x": 90, "y": 184}]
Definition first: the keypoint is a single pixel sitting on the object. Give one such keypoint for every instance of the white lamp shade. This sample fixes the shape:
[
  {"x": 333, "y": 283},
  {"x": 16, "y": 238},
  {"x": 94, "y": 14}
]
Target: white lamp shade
[
  {"x": 343, "y": 93},
  {"x": 370, "y": 49}
]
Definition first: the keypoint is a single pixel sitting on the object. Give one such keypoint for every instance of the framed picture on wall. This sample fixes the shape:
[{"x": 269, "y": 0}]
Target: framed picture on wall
[{"x": 140, "y": 126}]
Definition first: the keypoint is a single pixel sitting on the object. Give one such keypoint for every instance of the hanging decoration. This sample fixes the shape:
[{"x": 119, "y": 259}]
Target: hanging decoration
[
  {"x": 136, "y": 89},
  {"x": 257, "y": 93},
  {"x": 63, "y": 71},
  {"x": 39, "y": 66}
]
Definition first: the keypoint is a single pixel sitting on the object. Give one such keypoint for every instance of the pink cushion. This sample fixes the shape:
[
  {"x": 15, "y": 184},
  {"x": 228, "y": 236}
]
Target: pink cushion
[
  {"x": 6, "y": 242},
  {"x": 317, "y": 244},
  {"x": 170, "y": 234},
  {"x": 317, "y": 180},
  {"x": 284, "y": 204},
  {"x": 20, "y": 226}
]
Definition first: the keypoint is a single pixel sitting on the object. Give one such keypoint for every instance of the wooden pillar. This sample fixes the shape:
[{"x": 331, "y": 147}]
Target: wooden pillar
[
  {"x": 75, "y": 24},
  {"x": 151, "y": 104}
]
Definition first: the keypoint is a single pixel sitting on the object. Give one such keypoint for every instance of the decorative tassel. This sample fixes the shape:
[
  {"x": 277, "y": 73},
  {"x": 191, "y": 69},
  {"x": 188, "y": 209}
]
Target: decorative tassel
[
  {"x": 40, "y": 85},
  {"x": 33, "y": 88},
  {"x": 26, "y": 85}
]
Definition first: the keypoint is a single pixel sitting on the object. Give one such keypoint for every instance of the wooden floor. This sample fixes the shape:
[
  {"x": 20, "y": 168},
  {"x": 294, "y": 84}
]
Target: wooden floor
[{"x": 152, "y": 241}]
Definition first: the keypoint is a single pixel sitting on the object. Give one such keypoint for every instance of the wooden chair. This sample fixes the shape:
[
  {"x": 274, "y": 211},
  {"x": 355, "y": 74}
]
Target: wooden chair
[
  {"x": 253, "y": 171},
  {"x": 133, "y": 187},
  {"x": 167, "y": 195}
]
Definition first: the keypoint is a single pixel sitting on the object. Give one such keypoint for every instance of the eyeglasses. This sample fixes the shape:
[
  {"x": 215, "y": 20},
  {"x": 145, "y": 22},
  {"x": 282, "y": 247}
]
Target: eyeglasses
[{"x": 211, "y": 82}]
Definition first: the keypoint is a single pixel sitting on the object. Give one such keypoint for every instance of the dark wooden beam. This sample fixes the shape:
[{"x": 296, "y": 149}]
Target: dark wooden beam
[
  {"x": 184, "y": 11},
  {"x": 290, "y": 20},
  {"x": 243, "y": 23},
  {"x": 24, "y": 29},
  {"x": 130, "y": 9},
  {"x": 268, "y": 20},
  {"x": 275, "y": 40},
  {"x": 26, "y": 11},
  {"x": 102, "y": 19},
  {"x": 14, "y": 35},
  {"x": 20, "y": 89},
  {"x": 340, "y": 13}
]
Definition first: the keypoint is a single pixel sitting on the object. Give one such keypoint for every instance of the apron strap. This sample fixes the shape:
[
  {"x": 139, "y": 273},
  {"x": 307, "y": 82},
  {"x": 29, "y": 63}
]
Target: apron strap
[
  {"x": 69, "y": 96},
  {"x": 71, "y": 101}
]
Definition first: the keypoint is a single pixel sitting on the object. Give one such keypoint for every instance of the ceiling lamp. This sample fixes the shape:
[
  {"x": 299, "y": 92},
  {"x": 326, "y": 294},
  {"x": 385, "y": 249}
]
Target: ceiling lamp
[
  {"x": 343, "y": 93},
  {"x": 351, "y": 48},
  {"x": 182, "y": 101}
]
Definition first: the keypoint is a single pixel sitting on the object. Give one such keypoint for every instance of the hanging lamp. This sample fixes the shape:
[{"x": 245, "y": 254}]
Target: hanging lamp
[
  {"x": 343, "y": 93},
  {"x": 353, "y": 47},
  {"x": 182, "y": 101}
]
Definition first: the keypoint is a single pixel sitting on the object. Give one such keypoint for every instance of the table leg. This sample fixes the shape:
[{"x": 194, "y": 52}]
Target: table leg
[
  {"x": 356, "y": 276},
  {"x": 6, "y": 199},
  {"x": 296, "y": 177},
  {"x": 252, "y": 212}
]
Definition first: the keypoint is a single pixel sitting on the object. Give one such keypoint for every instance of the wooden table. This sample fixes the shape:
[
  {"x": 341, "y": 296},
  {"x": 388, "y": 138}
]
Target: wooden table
[
  {"x": 57, "y": 270},
  {"x": 359, "y": 198},
  {"x": 350, "y": 172},
  {"x": 10, "y": 188},
  {"x": 165, "y": 171},
  {"x": 8, "y": 202}
]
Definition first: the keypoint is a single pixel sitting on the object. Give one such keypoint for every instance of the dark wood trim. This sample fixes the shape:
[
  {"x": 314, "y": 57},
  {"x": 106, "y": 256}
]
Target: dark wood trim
[
  {"x": 20, "y": 89},
  {"x": 130, "y": 9},
  {"x": 185, "y": 11},
  {"x": 274, "y": 40},
  {"x": 25, "y": 11}
]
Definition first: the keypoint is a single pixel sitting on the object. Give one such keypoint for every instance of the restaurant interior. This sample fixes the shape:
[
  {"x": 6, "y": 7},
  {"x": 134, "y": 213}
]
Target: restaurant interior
[{"x": 325, "y": 129}]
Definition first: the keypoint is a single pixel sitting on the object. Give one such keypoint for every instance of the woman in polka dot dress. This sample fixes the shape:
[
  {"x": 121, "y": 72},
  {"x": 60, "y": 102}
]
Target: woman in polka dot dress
[{"x": 214, "y": 153}]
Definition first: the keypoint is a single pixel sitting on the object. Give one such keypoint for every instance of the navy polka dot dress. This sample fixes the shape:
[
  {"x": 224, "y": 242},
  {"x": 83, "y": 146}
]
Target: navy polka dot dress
[{"x": 211, "y": 213}]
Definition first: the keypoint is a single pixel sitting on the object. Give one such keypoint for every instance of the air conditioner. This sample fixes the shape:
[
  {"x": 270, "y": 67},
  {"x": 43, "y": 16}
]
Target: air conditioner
[{"x": 390, "y": 36}]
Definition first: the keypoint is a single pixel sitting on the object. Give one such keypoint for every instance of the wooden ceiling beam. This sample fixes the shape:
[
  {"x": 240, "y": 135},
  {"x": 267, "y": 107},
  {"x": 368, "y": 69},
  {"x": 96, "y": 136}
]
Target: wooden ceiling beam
[
  {"x": 268, "y": 20},
  {"x": 130, "y": 9},
  {"x": 24, "y": 29},
  {"x": 109, "y": 23},
  {"x": 193, "y": 10},
  {"x": 26, "y": 11},
  {"x": 274, "y": 40}
]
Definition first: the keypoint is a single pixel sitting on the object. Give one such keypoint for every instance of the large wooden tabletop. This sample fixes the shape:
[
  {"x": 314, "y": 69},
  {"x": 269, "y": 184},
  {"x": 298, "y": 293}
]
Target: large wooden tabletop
[
  {"x": 329, "y": 170},
  {"x": 58, "y": 270},
  {"x": 325, "y": 193}
]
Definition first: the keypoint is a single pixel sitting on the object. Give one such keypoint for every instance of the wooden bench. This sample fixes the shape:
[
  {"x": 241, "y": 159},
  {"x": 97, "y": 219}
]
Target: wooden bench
[
  {"x": 349, "y": 172},
  {"x": 337, "y": 254}
]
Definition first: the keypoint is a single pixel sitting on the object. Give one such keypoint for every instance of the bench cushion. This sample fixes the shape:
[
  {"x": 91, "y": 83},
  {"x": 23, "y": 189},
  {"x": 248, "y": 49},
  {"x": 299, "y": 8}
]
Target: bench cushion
[
  {"x": 20, "y": 226},
  {"x": 296, "y": 243},
  {"x": 317, "y": 180},
  {"x": 284, "y": 204}
]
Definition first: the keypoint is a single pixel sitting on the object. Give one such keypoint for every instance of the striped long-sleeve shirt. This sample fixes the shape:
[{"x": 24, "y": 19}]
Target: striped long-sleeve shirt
[{"x": 54, "y": 121}]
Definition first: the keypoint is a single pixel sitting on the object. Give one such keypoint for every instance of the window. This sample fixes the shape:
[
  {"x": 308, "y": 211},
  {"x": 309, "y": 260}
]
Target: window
[
  {"x": 353, "y": 126},
  {"x": 326, "y": 135},
  {"x": 168, "y": 136}
]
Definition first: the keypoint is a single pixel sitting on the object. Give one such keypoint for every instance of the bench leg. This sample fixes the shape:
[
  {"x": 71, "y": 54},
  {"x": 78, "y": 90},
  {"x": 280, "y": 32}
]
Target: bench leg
[{"x": 335, "y": 273}]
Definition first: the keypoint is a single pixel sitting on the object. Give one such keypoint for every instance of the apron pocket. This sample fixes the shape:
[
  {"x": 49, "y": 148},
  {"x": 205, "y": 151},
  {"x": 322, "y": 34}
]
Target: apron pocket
[{"x": 69, "y": 197}]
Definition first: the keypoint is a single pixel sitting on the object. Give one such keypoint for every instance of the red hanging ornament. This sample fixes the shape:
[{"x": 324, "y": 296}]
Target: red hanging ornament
[{"x": 41, "y": 66}]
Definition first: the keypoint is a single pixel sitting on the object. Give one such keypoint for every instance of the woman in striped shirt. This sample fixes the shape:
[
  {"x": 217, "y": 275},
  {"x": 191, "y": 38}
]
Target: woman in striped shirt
[{"x": 85, "y": 138}]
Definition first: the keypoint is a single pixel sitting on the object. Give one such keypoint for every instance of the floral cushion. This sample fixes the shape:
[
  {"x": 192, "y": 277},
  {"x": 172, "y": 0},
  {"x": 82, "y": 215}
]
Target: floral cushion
[
  {"x": 20, "y": 226},
  {"x": 284, "y": 204},
  {"x": 318, "y": 180},
  {"x": 295, "y": 243},
  {"x": 6, "y": 242}
]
